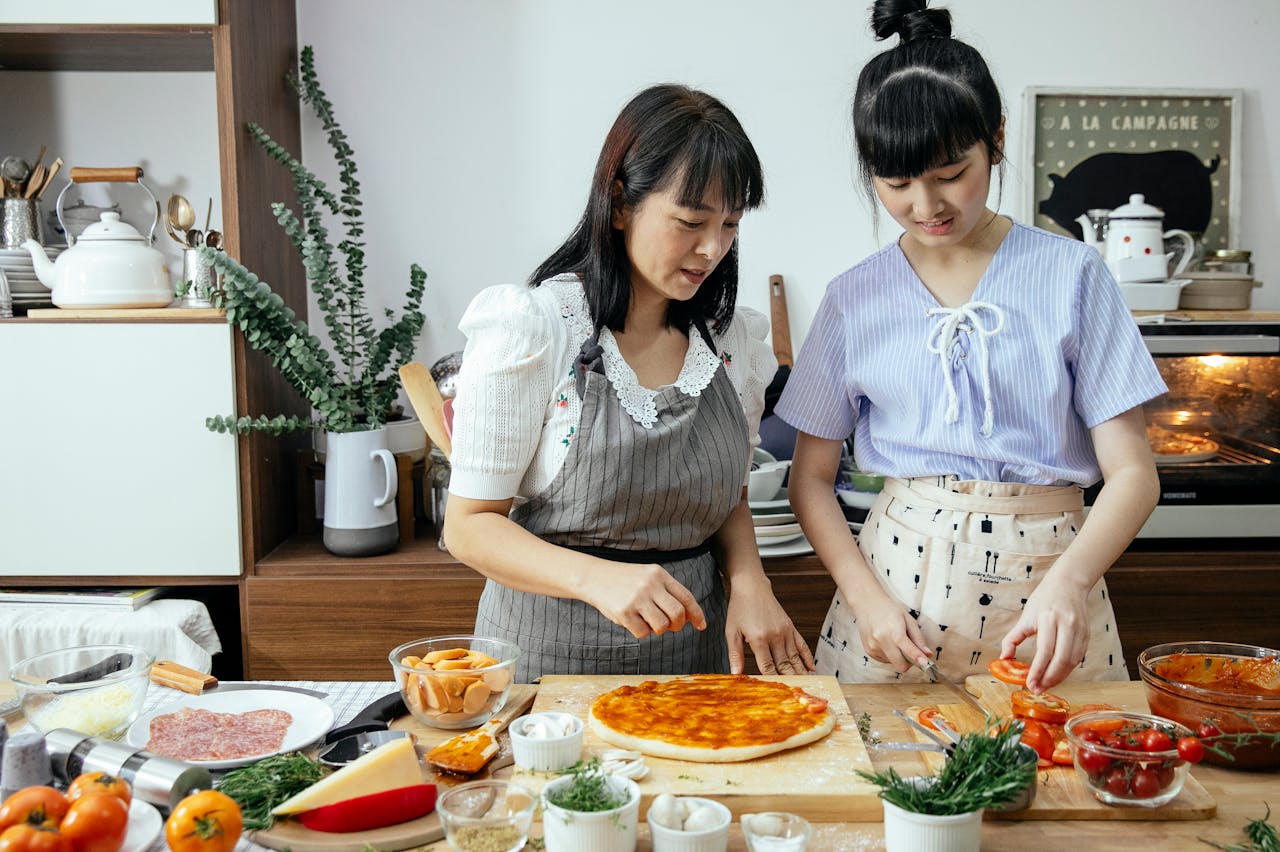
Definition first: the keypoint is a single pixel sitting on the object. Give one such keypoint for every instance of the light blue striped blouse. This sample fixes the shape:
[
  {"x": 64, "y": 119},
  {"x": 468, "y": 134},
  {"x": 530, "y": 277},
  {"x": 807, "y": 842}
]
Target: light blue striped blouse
[{"x": 1067, "y": 357}]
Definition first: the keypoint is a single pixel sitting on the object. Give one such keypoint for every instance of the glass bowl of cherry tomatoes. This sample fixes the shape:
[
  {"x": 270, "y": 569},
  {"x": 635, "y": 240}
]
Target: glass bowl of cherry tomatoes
[
  {"x": 1228, "y": 693},
  {"x": 1132, "y": 759}
]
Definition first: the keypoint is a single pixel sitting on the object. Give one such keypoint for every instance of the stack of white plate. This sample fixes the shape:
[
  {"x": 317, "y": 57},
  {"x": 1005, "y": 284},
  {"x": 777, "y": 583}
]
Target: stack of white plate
[
  {"x": 24, "y": 286},
  {"x": 777, "y": 532}
]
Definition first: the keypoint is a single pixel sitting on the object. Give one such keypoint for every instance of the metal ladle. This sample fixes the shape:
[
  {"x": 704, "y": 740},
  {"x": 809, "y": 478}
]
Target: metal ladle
[{"x": 179, "y": 218}]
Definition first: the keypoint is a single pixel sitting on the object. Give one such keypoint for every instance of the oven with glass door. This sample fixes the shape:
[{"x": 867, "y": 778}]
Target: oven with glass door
[{"x": 1216, "y": 433}]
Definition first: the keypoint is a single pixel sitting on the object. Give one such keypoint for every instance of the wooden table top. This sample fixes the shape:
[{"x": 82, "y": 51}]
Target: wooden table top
[{"x": 1240, "y": 796}]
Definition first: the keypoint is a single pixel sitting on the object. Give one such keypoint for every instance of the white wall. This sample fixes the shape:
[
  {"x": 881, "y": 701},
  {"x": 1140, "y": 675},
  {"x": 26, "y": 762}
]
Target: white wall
[{"x": 476, "y": 124}]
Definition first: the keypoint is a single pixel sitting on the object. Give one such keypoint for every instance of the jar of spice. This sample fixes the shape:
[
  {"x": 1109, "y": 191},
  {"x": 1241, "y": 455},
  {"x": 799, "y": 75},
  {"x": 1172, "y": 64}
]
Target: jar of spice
[{"x": 1228, "y": 260}]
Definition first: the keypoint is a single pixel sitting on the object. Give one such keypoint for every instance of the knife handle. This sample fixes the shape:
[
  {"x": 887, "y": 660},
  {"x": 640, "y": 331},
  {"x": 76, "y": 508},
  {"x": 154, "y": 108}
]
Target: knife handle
[
  {"x": 169, "y": 673},
  {"x": 376, "y": 717}
]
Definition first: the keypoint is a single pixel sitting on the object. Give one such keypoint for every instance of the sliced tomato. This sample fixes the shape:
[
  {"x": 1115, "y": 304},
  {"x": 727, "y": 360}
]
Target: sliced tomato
[
  {"x": 1041, "y": 706},
  {"x": 927, "y": 715},
  {"x": 1062, "y": 753},
  {"x": 1092, "y": 708},
  {"x": 1099, "y": 728},
  {"x": 1010, "y": 671},
  {"x": 1035, "y": 735}
]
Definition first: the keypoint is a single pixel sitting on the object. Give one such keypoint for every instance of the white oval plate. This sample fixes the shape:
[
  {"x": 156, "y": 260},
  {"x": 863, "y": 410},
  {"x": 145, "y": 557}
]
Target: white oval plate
[
  {"x": 144, "y": 826},
  {"x": 799, "y": 547},
  {"x": 312, "y": 719},
  {"x": 780, "y": 531},
  {"x": 778, "y": 504},
  {"x": 773, "y": 520}
]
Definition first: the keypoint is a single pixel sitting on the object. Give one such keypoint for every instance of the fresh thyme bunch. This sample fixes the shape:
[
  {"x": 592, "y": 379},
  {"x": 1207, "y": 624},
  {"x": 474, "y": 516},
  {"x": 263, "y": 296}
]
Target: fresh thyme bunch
[
  {"x": 589, "y": 791},
  {"x": 986, "y": 770}
]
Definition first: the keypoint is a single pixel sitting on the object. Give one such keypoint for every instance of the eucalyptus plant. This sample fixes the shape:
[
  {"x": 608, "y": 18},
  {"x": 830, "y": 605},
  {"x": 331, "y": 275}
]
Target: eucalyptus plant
[{"x": 358, "y": 389}]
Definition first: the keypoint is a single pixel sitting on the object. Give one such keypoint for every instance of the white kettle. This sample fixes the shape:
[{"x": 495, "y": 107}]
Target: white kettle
[
  {"x": 1134, "y": 242},
  {"x": 110, "y": 265}
]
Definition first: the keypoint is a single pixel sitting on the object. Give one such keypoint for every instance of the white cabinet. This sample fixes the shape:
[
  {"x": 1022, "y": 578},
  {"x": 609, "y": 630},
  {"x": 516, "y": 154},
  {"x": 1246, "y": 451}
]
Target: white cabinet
[
  {"x": 106, "y": 467},
  {"x": 109, "y": 12}
]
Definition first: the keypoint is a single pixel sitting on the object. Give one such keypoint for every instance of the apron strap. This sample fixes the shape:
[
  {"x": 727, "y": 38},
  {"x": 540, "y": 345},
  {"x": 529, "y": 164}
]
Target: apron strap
[
  {"x": 642, "y": 557},
  {"x": 1051, "y": 501}
]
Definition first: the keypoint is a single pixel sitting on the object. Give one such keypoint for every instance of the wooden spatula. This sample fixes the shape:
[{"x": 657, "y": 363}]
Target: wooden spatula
[{"x": 427, "y": 402}]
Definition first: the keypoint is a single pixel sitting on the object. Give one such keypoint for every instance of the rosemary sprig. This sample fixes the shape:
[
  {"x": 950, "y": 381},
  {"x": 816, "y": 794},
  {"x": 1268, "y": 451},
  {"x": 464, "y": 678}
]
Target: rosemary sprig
[
  {"x": 987, "y": 769},
  {"x": 589, "y": 791},
  {"x": 259, "y": 787},
  {"x": 1262, "y": 837}
]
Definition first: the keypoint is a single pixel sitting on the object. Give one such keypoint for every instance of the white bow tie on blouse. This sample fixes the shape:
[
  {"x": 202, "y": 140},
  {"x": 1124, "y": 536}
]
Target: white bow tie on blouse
[{"x": 945, "y": 334}]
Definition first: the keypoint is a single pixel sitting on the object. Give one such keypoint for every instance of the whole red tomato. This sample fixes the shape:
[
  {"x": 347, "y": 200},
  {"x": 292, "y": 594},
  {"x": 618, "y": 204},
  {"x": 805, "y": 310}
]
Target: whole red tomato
[
  {"x": 1146, "y": 783},
  {"x": 1191, "y": 749},
  {"x": 208, "y": 821},
  {"x": 34, "y": 805},
  {"x": 25, "y": 837},
  {"x": 1093, "y": 761},
  {"x": 1154, "y": 739},
  {"x": 99, "y": 782},
  {"x": 1117, "y": 782},
  {"x": 96, "y": 822}
]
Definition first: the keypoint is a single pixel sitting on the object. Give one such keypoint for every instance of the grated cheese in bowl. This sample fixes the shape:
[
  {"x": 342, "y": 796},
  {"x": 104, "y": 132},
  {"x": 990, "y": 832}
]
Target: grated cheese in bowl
[{"x": 101, "y": 712}]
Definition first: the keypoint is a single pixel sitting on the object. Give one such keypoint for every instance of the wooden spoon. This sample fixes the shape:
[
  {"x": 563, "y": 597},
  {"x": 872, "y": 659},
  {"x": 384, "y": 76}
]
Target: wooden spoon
[
  {"x": 425, "y": 398},
  {"x": 35, "y": 182},
  {"x": 49, "y": 175}
]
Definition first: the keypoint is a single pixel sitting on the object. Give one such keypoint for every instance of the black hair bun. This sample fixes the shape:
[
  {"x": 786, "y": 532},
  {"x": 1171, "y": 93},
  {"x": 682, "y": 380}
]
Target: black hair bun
[{"x": 910, "y": 19}]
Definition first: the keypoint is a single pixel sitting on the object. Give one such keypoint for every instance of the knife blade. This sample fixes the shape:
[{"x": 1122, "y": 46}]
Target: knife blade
[
  {"x": 234, "y": 685},
  {"x": 930, "y": 668}
]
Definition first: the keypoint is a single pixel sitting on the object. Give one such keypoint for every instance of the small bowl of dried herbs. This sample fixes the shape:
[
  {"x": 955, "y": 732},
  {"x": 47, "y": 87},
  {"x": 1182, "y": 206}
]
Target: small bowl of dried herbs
[
  {"x": 586, "y": 808},
  {"x": 487, "y": 816}
]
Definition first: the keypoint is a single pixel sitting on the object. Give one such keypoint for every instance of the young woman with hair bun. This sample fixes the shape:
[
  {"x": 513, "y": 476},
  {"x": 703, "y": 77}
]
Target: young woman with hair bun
[{"x": 990, "y": 370}]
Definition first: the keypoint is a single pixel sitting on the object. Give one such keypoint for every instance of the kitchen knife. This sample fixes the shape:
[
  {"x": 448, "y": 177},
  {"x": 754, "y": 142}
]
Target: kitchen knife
[
  {"x": 930, "y": 668},
  {"x": 177, "y": 676}
]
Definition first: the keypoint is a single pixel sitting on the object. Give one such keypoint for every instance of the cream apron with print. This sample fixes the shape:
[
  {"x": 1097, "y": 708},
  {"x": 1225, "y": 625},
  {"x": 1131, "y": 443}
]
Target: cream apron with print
[
  {"x": 631, "y": 494},
  {"x": 964, "y": 556}
]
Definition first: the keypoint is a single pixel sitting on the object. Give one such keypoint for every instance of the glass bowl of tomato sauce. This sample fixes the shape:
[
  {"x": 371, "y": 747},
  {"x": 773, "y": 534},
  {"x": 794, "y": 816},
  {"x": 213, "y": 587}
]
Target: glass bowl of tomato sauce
[
  {"x": 1229, "y": 694},
  {"x": 1131, "y": 759}
]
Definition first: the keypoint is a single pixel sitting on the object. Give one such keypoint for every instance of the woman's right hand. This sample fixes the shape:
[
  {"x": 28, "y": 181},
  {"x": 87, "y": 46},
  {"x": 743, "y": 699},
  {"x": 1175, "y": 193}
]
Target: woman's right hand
[
  {"x": 889, "y": 634},
  {"x": 644, "y": 599}
]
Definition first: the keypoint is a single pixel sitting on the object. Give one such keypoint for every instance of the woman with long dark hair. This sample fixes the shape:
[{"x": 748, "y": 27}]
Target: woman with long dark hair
[{"x": 605, "y": 417}]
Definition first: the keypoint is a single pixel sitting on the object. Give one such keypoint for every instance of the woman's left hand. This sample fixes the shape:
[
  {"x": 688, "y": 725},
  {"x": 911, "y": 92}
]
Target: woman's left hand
[
  {"x": 756, "y": 619},
  {"x": 1057, "y": 615}
]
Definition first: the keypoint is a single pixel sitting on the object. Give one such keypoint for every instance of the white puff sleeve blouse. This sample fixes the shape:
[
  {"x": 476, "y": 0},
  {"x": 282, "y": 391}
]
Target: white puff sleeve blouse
[{"x": 517, "y": 409}]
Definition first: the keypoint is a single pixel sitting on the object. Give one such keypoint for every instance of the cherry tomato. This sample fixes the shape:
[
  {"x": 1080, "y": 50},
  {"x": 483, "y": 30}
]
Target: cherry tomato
[
  {"x": 1043, "y": 706},
  {"x": 208, "y": 821},
  {"x": 1167, "y": 772},
  {"x": 1035, "y": 735},
  {"x": 99, "y": 782},
  {"x": 1093, "y": 761},
  {"x": 1146, "y": 783},
  {"x": 25, "y": 837},
  {"x": 1009, "y": 671},
  {"x": 1208, "y": 731},
  {"x": 1191, "y": 749},
  {"x": 34, "y": 805},
  {"x": 96, "y": 822},
  {"x": 927, "y": 715},
  {"x": 1154, "y": 739},
  {"x": 1117, "y": 781}
]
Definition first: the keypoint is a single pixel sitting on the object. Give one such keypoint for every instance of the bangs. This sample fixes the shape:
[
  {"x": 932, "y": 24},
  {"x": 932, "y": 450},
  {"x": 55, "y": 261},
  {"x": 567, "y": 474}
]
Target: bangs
[
  {"x": 711, "y": 159},
  {"x": 919, "y": 120}
]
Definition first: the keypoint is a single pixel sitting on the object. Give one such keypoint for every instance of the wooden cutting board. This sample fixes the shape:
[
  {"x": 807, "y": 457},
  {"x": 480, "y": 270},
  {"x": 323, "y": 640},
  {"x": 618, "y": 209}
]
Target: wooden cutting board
[
  {"x": 1061, "y": 794},
  {"x": 288, "y": 834},
  {"x": 816, "y": 781}
]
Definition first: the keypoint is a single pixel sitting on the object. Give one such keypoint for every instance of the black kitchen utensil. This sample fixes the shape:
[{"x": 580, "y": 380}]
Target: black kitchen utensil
[
  {"x": 376, "y": 717},
  {"x": 97, "y": 671}
]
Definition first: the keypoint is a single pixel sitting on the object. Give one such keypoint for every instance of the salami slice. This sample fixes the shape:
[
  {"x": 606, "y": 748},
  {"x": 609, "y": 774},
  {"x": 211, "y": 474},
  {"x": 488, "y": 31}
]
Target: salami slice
[{"x": 204, "y": 735}]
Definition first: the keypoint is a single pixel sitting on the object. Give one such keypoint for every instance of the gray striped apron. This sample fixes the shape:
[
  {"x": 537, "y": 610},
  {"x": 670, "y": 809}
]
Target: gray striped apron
[{"x": 631, "y": 494}]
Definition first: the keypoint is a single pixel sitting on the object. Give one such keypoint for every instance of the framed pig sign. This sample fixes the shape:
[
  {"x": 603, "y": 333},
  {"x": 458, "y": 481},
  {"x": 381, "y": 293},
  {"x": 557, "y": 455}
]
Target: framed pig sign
[{"x": 1093, "y": 148}]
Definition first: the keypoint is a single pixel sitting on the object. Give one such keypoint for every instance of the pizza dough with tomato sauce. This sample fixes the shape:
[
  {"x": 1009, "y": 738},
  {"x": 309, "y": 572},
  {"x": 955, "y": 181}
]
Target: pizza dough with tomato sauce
[{"x": 710, "y": 718}]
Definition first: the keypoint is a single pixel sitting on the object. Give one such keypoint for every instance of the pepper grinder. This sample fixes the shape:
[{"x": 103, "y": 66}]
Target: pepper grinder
[{"x": 155, "y": 779}]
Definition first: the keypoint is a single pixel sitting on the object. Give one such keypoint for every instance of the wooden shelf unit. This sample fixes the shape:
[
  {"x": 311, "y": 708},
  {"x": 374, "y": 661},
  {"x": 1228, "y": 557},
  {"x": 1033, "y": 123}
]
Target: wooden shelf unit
[{"x": 250, "y": 50}]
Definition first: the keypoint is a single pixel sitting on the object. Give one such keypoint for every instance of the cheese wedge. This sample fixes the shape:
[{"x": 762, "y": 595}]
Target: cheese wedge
[{"x": 387, "y": 767}]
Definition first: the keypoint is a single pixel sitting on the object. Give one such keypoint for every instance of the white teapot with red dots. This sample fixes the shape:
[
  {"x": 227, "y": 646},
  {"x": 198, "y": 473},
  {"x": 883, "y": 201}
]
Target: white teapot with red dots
[{"x": 1134, "y": 245}]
